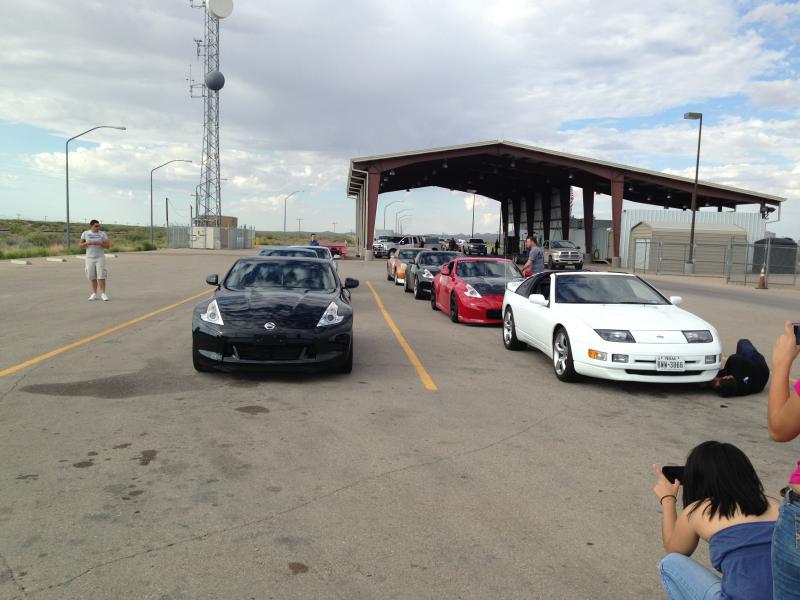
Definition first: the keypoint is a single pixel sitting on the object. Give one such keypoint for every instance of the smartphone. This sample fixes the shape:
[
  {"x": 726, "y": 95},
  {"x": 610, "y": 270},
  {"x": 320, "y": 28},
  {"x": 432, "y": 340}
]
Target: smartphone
[
  {"x": 672, "y": 472},
  {"x": 796, "y": 325}
]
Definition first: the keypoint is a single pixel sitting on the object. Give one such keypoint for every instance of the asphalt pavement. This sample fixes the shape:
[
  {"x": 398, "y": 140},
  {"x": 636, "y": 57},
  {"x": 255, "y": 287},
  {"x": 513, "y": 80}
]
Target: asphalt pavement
[{"x": 126, "y": 474}]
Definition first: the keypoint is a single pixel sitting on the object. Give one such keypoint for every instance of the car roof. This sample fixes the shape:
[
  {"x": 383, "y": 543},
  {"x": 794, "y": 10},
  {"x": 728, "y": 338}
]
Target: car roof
[
  {"x": 582, "y": 272},
  {"x": 284, "y": 259},
  {"x": 483, "y": 259}
]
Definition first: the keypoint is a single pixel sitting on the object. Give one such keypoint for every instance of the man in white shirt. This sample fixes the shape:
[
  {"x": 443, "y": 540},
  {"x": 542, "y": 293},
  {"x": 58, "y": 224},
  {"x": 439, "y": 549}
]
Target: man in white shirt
[{"x": 95, "y": 242}]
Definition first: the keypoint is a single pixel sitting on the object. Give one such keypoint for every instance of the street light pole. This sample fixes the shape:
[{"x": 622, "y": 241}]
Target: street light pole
[
  {"x": 285, "y": 200},
  {"x": 384, "y": 212},
  {"x": 397, "y": 214},
  {"x": 153, "y": 170},
  {"x": 689, "y": 267},
  {"x": 66, "y": 157},
  {"x": 299, "y": 220},
  {"x": 403, "y": 218}
]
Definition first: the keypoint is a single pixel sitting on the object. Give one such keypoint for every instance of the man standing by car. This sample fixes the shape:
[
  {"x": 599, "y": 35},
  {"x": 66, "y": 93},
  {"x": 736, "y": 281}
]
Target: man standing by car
[
  {"x": 95, "y": 243},
  {"x": 535, "y": 257},
  {"x": 313, "y": 241}
]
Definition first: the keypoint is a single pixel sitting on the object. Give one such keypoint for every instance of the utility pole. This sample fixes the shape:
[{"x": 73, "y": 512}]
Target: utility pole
[
  {"x": 191, "y": 215},
  {"x": 299, "y": 220},
  {"x": 166, "y": 204},
  {"x": 334, "y": 227}
]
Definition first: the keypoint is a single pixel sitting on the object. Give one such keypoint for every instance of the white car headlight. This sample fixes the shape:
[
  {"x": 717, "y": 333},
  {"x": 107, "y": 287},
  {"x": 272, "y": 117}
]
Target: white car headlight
[
  {"x": 331, "y": 316},
  {"x": 471, "y": 292},
  {"x": 212, "y": 314},
  {"x": 698, "y": 337},
  {"x": 615, "y": 335},
  {"x": 427, "y": 274}
]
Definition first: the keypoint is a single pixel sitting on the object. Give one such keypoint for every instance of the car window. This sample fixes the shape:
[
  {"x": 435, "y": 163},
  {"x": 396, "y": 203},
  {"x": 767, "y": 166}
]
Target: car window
[
  {"x": 406, "y": 254},
  {"x": 290, "y": 274},
  {"x": 524, "y": 288},
  {"x": 476, "y": 241},
  {"x": 542, "y": 286},
  {"x": 296, "y": 252},
  {"x": 564, "y": 245},
  {"x": 605, "y": 289},
  {"x": 435, "y": 258},
  {"x": 487, "y": 268}
]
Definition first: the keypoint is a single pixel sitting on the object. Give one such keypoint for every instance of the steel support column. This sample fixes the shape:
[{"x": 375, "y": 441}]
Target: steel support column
[
  {"x": 617, "y": 191},
  {"x": 588, "y": 221},
  {"x": 563, "y": 193},
  {"x": 517, "y": 206},
  {"x": 373, "y": 187},
  {"x": 530, "y": 211},
  {"x": 547, "y": 209}
]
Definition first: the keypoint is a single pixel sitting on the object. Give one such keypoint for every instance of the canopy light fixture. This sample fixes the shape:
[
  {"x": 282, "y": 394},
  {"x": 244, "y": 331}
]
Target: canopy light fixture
[{"x": 444, "y": 164}]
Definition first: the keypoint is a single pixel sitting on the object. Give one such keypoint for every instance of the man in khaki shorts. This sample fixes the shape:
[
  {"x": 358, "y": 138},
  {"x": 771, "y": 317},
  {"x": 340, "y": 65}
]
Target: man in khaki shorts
[{"x": 95, "y": 242}]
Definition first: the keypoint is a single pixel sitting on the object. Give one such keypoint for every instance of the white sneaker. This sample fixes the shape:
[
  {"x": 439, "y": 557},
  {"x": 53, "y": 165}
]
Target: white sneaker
[
  {"x": 104, "y": 298},
  {"x": 93, "y": 297}
]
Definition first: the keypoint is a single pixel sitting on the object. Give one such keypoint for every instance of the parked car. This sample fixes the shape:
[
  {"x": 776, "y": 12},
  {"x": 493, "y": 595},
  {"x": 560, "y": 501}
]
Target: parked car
[
  {"x": 421, "y": 271},
  {"x": 431, "y": 242},
  {"x": 396, "y": 264},
  {"x": 380, "y": 247},
  {"x": 609, "y": 326},
  {"x": 275, "y": 312},
  {"x": 460, "y": 244},
  {"x": 321, "y": 252},
  {"x": 471, "y": 289},
  {"x": 474, "y": 246},
  {"x": 287, "y": 251},
  {"x": 406, "y": 241},
  {"x": 560, "y": 253}
]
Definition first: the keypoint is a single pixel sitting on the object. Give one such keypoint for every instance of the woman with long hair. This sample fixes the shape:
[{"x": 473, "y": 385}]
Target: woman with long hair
[{"x": 723, "y": 504}]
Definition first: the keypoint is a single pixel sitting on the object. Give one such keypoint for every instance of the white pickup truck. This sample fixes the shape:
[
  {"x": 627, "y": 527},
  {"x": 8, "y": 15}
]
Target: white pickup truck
[{"x": 561, "y": 253}]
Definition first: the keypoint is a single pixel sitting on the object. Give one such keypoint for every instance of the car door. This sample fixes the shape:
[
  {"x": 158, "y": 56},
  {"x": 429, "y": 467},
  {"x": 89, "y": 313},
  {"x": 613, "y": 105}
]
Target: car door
[
  {"x": 538, "y": 319},
  {"x": 444, "y": 281},
  {"x": 517, "y": 301}
]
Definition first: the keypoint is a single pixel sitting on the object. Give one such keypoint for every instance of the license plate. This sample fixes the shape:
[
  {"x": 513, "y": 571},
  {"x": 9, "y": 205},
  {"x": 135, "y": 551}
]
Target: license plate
[{"x": 670, "y": 363}]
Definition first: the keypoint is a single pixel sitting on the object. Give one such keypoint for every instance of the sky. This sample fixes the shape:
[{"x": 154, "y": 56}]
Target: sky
[{"x": 312, "y": 84}]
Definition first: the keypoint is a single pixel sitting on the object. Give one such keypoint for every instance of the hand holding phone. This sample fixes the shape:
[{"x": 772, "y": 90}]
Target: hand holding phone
[
  {"x": 673, "y": 473},
  {"x": 796, "y": 327}
]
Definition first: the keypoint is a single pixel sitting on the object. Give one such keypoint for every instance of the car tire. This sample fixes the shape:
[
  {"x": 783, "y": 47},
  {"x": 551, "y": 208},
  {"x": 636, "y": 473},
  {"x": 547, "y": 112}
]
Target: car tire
[
  {"x": 346, "y": 366},
  {"x": 417, "y": 290},
  {"x": 196, "y": 362},
  {"x": 396, "y": 282},
  {"x": 433, "y": 298},
  {"x": 579, "y": 266},
  {"x": 389, "y": 276},
  {"x": 453, "y": 308},
  {"x": 405, "y": 285},
  {"x": 563, "y": 366},
  {"x": 510, "y": 340},
  {"x": 550, "y": 264}
]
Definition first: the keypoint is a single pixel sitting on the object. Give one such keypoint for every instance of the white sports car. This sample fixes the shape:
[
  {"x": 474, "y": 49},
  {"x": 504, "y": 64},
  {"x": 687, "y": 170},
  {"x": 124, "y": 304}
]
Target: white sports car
[{"x": 610, "y": 326}]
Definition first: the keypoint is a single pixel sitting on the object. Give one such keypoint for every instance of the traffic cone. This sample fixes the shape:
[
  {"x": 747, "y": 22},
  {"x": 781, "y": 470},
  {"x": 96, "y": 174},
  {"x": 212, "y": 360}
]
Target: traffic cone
[{"x": 762, "y": 280}]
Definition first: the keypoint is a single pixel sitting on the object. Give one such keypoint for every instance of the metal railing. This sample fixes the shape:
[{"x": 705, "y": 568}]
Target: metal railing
[{"x": 737, "y": 263}]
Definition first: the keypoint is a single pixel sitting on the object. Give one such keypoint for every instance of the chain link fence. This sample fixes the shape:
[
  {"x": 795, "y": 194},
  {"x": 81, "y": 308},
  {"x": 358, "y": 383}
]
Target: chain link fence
[
  {"x": 235, "y": 238},
  {"x": 737, "y": 263}
]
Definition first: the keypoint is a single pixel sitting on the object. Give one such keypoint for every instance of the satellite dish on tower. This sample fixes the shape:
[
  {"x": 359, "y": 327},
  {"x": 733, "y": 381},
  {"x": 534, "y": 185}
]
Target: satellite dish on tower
[{"x": 220, "y": 9}]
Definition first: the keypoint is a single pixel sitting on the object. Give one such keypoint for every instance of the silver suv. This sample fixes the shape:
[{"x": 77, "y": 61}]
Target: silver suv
[
  {"x": 401, "y": 243},
  {"x": 560, "y": 253}
]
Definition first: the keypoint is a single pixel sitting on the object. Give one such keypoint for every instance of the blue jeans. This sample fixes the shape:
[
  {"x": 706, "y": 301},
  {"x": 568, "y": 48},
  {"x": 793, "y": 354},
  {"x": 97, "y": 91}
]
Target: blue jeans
[
  {"x": 686, "y": 579},
  {"x": 786, "y": 550}
]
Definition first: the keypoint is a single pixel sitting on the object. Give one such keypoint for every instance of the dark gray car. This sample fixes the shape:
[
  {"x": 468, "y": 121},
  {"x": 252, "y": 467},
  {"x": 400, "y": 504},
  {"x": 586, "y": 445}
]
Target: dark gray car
[{"x": 421, "y": 271}]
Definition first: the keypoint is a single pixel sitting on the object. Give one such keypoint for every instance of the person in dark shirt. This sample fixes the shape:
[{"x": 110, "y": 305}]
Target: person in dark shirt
[{"x": 745, "y": 372}]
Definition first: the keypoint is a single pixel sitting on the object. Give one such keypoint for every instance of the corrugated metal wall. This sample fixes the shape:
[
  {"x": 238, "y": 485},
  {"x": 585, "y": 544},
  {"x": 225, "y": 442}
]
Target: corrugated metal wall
[{"x": 752, "y": 223}]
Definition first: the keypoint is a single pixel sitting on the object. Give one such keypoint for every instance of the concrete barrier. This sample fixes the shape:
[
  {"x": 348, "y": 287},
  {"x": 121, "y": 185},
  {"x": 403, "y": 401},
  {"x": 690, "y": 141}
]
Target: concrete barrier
[
  {"x": 19, "y": 261},
  {"x": 55, "y": 259}
]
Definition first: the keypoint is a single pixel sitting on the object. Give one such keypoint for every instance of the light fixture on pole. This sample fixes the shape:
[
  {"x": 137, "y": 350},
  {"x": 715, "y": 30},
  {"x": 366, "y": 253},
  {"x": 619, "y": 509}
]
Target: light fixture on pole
[
  {"x": 285, "y": 200},
  {"x": 154, "y": 169},
  {"x": 66, "y": 157},
  {"x": 384, "y": 212},
  {"x": 694, "y": 116},
  {"x": 401, "y": 221},
  {"x": 397, "y": 214}
]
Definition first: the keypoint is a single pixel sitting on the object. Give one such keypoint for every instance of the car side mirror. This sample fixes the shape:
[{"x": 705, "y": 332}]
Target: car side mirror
[
  {"x": 350, "y": 283},
  {"x": 538, "y": 299},
  {"x": 676, "y": 300},
  {"x": 212, "y": 280}
]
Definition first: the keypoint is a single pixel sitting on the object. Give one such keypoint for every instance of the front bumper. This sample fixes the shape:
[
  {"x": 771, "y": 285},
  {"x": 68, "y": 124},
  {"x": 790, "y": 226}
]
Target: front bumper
[
  {"x": 232, "y": 346},
  {"x": 486, "y": 310},
  {"x": 641, "y": 365}
]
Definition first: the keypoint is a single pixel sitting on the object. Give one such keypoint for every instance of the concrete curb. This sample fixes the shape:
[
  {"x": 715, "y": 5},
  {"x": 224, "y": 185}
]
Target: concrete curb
[
  {"x": 19, "y": 261},
  {"x": 56, "y": 260}
]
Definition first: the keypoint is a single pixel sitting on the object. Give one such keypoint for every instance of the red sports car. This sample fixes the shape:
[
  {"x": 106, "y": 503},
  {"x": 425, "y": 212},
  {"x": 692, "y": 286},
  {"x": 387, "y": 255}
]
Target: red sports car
[{"x": 471, "y": 289}]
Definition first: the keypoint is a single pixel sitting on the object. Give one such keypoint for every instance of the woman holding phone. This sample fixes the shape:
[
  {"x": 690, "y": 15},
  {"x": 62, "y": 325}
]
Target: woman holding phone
[
  {"x": 723, "y": 504},
  {"x": 784, "y": 426}
]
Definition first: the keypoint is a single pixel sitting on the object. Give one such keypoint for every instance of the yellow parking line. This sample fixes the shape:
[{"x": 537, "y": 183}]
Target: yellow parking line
[
  {"x": 91, "y": 338},
  {"x": 412, "y": 356}
]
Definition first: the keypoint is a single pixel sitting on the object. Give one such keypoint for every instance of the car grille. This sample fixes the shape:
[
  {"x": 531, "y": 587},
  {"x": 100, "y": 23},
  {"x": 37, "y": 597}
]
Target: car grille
[
  {"x": 267, "y": 353},
  {"x": 569, "y": 256},
  {"x": 494, "y": 315}
]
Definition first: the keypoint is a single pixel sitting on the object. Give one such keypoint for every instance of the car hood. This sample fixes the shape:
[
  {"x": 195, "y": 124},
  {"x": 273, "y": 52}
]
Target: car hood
[
  {"x": 636, "y": 317},
  {"x": 488, "y": 286},
  {"x": 284, "y": 308}
]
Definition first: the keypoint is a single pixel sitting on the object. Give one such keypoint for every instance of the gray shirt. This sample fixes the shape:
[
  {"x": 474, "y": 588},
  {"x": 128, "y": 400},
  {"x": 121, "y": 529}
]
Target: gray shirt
[
  {"x": 94, "y": 251},
  {"x": 536, "y": 256}
]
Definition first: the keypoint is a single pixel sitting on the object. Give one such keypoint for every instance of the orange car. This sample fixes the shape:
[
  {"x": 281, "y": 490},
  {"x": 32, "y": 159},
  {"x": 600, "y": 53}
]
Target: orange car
[{"x": 396, "y": 265}]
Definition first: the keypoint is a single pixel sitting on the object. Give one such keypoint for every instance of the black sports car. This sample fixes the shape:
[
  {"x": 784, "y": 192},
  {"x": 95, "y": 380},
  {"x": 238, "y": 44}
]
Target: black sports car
[
  {"x": 275, "y": 312},
  {"x": 420, "y": 272}
]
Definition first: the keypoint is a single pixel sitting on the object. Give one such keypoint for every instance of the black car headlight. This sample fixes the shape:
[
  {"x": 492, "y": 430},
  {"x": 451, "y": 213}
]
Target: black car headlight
[
  {"x": 702, "y": 336},
  {"x": 616, "y": 335}
]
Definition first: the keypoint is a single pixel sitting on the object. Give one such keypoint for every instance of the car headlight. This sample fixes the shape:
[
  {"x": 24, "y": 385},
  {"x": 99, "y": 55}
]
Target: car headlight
[
  {"x": 427, "y": 274},
  {"x": 615, "y": 335},
  {"x": 212, "y": 314},
  {"x": 698, "y": 336},
  {"x": 471, "y": 292},
  {"x": 331, "y": 316}
]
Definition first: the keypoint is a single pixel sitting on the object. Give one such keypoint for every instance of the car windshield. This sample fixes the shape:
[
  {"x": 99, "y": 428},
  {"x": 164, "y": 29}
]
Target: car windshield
[
  {"x": 319, "y": 251},
  {"x": 476, "y": 241},
  {"x": 407, "y": 254},
  {"x": 395, "y": 239},
  {"x": 563, "y": 244},
  {"x": 605, "y": 289},
  {"x": 487, "y": 268},
  {"x": 297, "y": 252},
  {"x": 436, "y": 258},
  {"x": 281, "y": 274}
]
